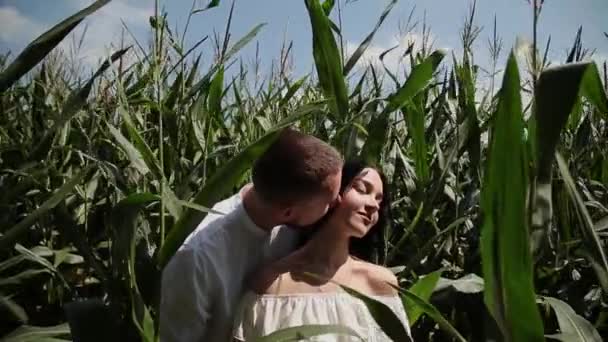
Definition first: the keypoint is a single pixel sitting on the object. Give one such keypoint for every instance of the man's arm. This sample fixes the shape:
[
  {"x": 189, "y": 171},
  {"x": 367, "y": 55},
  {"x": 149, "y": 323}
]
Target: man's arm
[{"x": 186, "y": 293}]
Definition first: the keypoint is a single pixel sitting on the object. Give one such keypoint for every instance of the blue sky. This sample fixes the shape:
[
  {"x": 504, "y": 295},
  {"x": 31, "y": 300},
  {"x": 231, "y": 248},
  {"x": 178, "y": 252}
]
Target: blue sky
[{"x": 23, "y": 20}]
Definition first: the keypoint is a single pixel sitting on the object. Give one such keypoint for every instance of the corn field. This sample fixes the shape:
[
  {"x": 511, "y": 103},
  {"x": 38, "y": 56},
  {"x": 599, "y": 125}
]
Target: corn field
[{"x": 500, "y": 195}]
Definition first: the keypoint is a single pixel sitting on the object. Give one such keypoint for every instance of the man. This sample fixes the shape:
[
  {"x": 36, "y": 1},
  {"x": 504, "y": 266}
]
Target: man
[{"x": 295, "y": 182}]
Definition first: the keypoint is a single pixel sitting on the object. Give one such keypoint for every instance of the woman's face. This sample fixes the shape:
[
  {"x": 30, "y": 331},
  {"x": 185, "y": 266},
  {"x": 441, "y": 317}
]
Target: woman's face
[{"x": 360, "y": 203}]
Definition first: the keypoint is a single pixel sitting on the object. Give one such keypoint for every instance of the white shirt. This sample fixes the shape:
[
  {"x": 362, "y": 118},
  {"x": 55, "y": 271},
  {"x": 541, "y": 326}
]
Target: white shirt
[
  {"x": 260, "y": 315},
  {"x": 204, "y": 281}
]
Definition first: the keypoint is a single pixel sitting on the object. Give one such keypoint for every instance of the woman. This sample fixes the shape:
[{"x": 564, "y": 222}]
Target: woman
[{"x": 284, "y": 295}]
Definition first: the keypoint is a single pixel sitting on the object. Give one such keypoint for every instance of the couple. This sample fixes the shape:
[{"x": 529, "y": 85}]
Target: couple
[{"x": 246, "y": 274}]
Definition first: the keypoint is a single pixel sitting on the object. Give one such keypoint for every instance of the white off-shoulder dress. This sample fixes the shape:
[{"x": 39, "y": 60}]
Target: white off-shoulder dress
[{"x": 261, "y": 314}]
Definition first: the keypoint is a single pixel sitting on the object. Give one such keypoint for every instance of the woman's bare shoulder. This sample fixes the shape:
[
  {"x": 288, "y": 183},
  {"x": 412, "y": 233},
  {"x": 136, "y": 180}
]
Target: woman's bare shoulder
[{"x": 379, "y": 278}]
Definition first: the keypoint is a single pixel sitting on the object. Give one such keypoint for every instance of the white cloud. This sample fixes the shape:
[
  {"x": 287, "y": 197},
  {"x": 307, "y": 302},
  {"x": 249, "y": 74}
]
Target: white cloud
[
  {"x": 16, "y": 27},
  {"x": 103, "y": 29}
]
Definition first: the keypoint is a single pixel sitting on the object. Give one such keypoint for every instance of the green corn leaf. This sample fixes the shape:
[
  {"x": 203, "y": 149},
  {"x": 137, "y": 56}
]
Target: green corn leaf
[
  {"x": 307, "y": 331},
  {"x": 241, "y": 43},
  {"x": 377, "y": 138},
  {"x": 12, "y": 234},
  {"x": 431, "y": 311},
  {"x": 572, "y": 324},
  {"x": 214, "y": 101},
  {"x": 507, "y": 266},
  {"x": 354, "y": 58},
  {"x": 327, "y": 60},
  {"x": 42, "y": 46},
  {"x": 414, "y": 114},
  {"x": 419, "y": 78},
  {"x": 131, "y": 151},
  {"x": 423, "y": 288}
]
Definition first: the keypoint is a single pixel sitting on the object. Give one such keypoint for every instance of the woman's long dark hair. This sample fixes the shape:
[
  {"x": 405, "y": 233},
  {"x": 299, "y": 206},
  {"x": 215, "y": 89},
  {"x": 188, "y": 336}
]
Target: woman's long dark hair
[{"x": 372, "y": 246}]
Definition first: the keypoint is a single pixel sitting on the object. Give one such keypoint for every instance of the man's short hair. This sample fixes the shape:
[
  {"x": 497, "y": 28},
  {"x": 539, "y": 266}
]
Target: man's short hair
[{"x": 294, "y": 168}]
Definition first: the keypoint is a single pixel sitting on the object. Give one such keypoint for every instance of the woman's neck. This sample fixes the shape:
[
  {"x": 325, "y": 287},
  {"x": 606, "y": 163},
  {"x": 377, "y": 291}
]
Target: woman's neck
[{"x": 327, "y": 251}]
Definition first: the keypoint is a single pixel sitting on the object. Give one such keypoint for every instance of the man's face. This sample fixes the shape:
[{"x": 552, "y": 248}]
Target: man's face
[{"x": 311, "y": 210}]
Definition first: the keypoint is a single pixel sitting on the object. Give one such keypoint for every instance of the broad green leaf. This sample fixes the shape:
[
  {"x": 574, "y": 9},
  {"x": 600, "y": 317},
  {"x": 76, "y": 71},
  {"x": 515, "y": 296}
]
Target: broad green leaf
[
  {"x": 470, "y": 283},
  {"x": 506, "y": 260},
  {"x": 327, "y": 60},
  {"x": 414, "y": 113},
  {"x": 27, "y": 333},
  {"x": 130, "y": 150},
  {"x": 383, "y": 315},
  {"x": 379, "y": 131},
  {"x": 431, "y": 311},
  {"x": 307, "y": 331},
  {"x": 594, "y": 250},
  {"x": 214, "y": 101},
  {"x": 12, "y": 234},
  {"x": 418, "y": 79},
  {"x": 42, "y": 45},
  {"x": 354, "y": 58},
  {"x": 423, "y": 288},
  {"x": 571, "y": 323},
  {"x": 416, "y": 82},
  {"x": 559, "y": 91}
]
